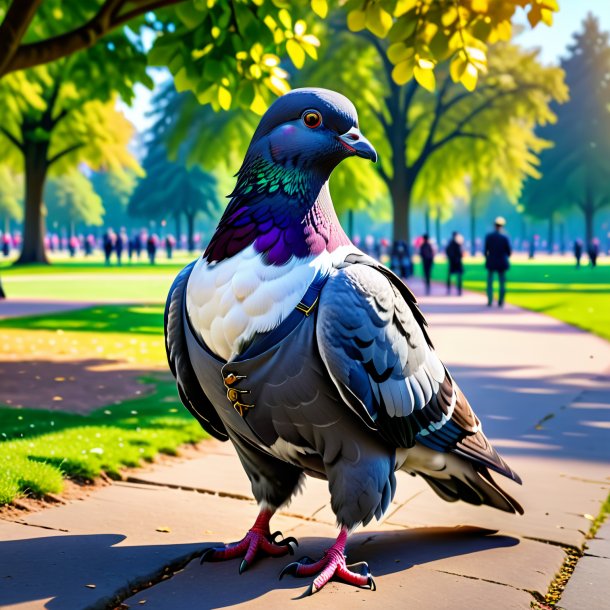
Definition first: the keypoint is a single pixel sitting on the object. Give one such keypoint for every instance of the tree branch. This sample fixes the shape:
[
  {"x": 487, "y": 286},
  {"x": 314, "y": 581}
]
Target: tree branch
[
  {"x": 64, "y": 152},
  {"x": 12, "y": 138},
  {"x": 107, "y": 19},
  {"x": 13, "y": 28}
]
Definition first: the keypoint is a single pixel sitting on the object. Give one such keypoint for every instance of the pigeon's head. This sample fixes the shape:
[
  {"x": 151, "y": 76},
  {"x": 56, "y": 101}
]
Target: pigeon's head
[{"x": 310, "y": 129}]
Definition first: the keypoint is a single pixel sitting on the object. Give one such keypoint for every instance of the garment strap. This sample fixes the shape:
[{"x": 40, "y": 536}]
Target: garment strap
[{"x": 304, "y": 308}]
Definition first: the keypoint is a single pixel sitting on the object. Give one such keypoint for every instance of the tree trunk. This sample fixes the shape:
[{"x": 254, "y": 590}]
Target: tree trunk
[
  {"x": 35, "y": 157},
  {"x": 562, "y": 237},
  {"x": 427, "y": 220},
  {"x": 589, "y": 212},
  {"x": 190, "y": 231},
  {"x": 350, "y": 224},
  {"x": 473, "y": 226},
  {"x": 178, "y": 227},
  {"x": 551, "y": 236},
  {"x": 438, "y": 228},
  {"x": 401, "y": 202}
]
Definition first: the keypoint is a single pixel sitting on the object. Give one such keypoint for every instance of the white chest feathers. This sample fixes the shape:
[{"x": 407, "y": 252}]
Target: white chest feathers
[{"x": 231, "y": 301}]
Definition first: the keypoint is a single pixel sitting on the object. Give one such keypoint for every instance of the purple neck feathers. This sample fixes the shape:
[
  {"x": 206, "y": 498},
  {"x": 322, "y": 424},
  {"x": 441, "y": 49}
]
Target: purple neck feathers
[{"x": 282, "y": 212}]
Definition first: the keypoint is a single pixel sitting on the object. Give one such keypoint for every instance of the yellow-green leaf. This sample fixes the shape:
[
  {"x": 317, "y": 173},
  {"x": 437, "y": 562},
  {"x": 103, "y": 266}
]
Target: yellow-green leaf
[
  {"x": 399, "y": 52},
  {"x": 258, "y": 106},
  {"x": 403, "y": 72},
  {"x": 378, "y": 20},
  {"x": 224, "y": 98},
  {"x": 469, "y": 77},
  {"x": 285, "y": 19},
  {"x": 404, "y": 6},
  {"x": 457, "y": 67},
  {"x": 356, "y": 20},
  {"x": 320, "y": 8},
  {"x": 295, "y": 52},
  {"x": 425, "y": 77}
]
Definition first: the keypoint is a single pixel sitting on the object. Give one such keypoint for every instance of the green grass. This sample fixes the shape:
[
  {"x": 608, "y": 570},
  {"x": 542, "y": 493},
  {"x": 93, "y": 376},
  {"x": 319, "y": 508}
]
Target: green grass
[
  {"x": 140, "y": 319},
  {"x": 92, "y": 280},
  {"x": 39, "y": 448},
  {"x": 580, "y": 297}
]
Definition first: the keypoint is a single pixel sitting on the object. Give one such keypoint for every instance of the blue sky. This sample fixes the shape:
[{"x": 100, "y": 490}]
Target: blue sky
[{"x": 551, "y": 41}]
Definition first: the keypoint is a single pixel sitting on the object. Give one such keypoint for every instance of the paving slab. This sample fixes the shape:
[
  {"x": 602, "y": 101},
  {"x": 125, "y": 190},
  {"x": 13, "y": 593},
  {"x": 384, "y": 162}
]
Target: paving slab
[
  {"x": 112, "y": 540},
  {"x": 600, "y": 545},
  {"x": 589, "y": 586}
]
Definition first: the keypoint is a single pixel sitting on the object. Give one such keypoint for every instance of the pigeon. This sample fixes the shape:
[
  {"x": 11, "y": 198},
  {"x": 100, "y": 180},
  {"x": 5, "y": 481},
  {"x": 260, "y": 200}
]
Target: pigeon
[{"x": 313, "y": 358}]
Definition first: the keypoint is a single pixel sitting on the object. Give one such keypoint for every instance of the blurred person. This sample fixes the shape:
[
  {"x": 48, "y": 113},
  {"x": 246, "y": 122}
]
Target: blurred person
[
  {"x": 108, "y": 244},
  {"x": 593, "y": 252},
  {"x": 455, "y": 253},
  {"x": 532, "y": 247},
  {"x": 73, "y": 245},
  {"x": 400, "y": 259},
  {"x": 497, "y": 255},
  {"x": 578, "y": 252},
  {"x": 119, "y": 246},
  {"x": 170, "y": 243},
  {"x": 6, "y": 244},
  {"x": 89, "y": 244},
  {"x": 151, "y": 247},
  {"x": 426, "y": 252},
  {"x": 138, "y": 244},
  {"x": 370, "y": 246}
]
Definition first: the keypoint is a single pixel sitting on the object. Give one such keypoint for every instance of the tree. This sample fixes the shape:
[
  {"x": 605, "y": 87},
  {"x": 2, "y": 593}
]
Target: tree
[
  {"x": 429, "y": 142},
  {"x": 11, "y": 194},
  {"x": 227, "y": 52},
  {"x": 575, "y": 171},
  {"x": 70, "y": 200},
  {"x": 115, "y": 189},
  {"x": 170, "y": 188},
  {"x": 58, "y": 115}
]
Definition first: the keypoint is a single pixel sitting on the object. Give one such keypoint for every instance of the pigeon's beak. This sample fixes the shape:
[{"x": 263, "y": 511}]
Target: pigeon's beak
[{"x": 357, "y": 144}]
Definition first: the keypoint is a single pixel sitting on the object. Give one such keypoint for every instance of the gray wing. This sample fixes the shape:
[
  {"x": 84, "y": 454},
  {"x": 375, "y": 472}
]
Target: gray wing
[
  {"x": 189, "y": 389},
  {"x": 373, "y": 340}
]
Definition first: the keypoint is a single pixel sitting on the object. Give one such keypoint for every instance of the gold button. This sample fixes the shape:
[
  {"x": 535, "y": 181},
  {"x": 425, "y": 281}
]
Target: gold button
[
  {"x": 230, "y": 379},
  {"x": 232, "y": 395}
]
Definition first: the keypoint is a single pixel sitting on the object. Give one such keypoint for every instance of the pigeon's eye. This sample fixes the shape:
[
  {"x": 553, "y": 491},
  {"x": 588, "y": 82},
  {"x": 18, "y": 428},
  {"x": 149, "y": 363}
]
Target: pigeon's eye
[{"x": 312, "y": 119}]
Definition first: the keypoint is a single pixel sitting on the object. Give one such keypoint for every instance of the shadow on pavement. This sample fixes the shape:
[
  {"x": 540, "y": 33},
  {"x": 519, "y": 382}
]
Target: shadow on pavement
[{"x": 60, "y": 567}]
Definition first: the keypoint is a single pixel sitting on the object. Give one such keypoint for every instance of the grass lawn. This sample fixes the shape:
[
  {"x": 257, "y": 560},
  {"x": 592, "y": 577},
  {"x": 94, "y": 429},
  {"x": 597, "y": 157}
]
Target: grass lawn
[
  {"x": 580, "y": 297},
  {"x": 39, "y": 448},
  {"x": 92, "y": 280}
]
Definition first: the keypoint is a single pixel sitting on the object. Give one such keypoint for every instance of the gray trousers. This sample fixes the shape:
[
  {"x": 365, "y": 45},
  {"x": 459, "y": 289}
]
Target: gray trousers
[{"x": 490, "y": 286}]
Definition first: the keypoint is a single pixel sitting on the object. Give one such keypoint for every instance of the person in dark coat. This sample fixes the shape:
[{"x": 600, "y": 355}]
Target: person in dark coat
[
  {"x": 426, "y": 252},
  {"x": 151, "y": 247},
  {"x": 400, "y": 259},
  {"x": 455, "y": 253},
  {"x": 578, "y": 252},
  {"x": 108, "y": 241},
  {"x": 497, "y": 254},
  {"x": 593, "y": 252},
  {"x": 119, "y": 245}
]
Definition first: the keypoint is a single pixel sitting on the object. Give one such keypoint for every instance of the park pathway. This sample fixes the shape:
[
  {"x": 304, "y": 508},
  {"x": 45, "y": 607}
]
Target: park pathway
[{"x": 541, "y": 389}]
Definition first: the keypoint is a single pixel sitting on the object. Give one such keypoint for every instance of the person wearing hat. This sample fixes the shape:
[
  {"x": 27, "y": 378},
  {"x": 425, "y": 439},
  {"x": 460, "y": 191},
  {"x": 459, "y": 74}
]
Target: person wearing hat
[{"x": 497, "y": 253}]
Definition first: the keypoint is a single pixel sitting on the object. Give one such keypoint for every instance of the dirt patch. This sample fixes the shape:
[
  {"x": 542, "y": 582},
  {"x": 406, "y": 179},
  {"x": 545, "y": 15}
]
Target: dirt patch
[{"x": 75, "y": 386}]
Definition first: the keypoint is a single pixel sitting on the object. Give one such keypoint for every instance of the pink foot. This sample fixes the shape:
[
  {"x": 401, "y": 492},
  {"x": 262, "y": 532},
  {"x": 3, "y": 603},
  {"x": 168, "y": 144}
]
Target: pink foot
[
  {"x": 257, "y": 540},
  {"x": 332, "y": 565}
]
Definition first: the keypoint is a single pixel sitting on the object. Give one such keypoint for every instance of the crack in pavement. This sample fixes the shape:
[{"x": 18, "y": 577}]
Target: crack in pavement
[
  {"x": 223, "y": 494},
  {"x": 44, "y": 527},
  {"x": 489, "y": 580}
]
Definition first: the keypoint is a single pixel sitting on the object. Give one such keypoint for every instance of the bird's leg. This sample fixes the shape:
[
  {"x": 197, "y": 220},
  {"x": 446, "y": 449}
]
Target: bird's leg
[
  {"x": 332, "y": 565},
  {"x": 259, "y": 539}
]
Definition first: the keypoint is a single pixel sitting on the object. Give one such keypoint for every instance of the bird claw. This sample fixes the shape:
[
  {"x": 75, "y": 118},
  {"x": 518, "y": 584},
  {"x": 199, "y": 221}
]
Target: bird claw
[
  {"x": 332, "y": 566},
  {"x": 254, "y": 542}
]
